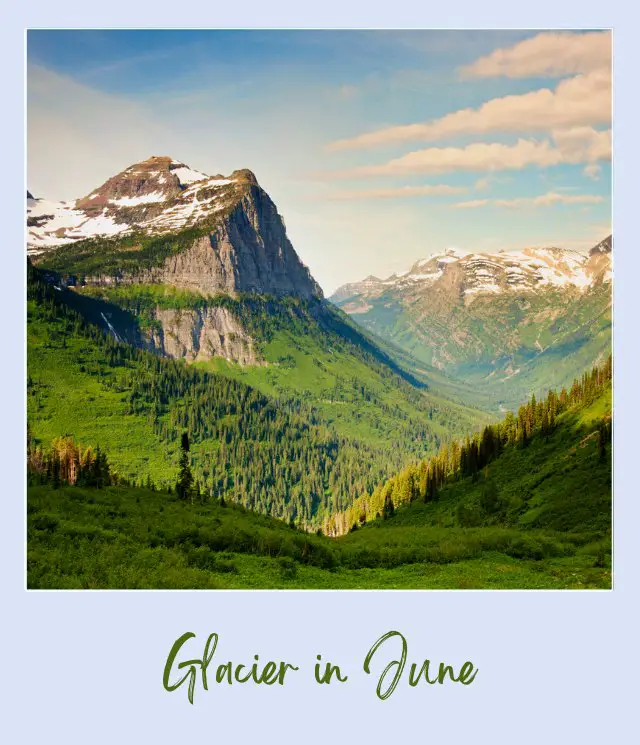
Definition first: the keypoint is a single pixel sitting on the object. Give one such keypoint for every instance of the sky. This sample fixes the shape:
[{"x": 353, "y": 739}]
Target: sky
[{"x": 378, "y": 147}]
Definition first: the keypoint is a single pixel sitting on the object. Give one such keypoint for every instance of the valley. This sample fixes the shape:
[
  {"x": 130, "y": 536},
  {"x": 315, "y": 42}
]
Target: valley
[
  {"x": 511, "y": 323},
  {"x": 320, "y": 433},
  {"x": 551, "y": 529}
]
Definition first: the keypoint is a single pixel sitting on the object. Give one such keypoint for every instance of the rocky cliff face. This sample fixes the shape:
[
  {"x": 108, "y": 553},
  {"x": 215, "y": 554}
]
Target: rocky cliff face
[
  {"x": 201, "y": 334},
  {"x": 223, "y": 236},
  {"x": 247, "y": 251}
]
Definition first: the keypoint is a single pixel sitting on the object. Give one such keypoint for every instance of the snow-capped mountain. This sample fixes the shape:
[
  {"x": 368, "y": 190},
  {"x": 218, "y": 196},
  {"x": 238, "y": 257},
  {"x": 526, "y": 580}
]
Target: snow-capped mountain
[
  {"x": 471, "y": 274},
  {"x": 516, "y": 320},
  {"x": 223, "y": 234},
  {"x": 159, "y": 195}
]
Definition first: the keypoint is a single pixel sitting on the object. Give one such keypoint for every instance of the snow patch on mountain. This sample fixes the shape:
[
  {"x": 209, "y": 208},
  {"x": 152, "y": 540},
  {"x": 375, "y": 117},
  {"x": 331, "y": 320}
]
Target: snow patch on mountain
[
  {"x": 159, "y": 195},
  {"x": 154, "y": 196},
  {"x": 483, "y": 273},
  {"x": 185, "y": 174}
]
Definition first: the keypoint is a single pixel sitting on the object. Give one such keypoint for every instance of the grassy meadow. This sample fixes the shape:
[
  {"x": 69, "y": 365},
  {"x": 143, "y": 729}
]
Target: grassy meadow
[{"x": 552, "y": 530}]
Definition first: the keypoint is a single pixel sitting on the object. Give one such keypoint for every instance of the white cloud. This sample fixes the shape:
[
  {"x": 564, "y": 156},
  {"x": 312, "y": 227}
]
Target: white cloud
[
  {"x": 579, "y": 101},
  {"x": 482, "y": 184},
  {"x": 401, "y": 191},
  {"x": 583, "y": 144},
  {"x": 543, "y": 200},
  {"x": 549, "y": 54},
  {"x": 549, "y": 199},
  {"x": 471, "y": 204},
  {"x": 577, "y": 145}
]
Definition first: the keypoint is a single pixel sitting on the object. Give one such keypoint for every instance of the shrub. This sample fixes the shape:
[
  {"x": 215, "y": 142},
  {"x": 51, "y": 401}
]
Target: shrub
[{"x": 288, "y": 568}]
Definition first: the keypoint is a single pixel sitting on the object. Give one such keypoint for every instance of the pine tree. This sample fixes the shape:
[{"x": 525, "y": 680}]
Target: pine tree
[{"x": 184, "y": 484}]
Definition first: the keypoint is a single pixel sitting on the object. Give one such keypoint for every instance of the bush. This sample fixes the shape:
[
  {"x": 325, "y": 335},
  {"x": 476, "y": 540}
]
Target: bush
[
  {"x": 46, "y": 523},
  {"x": 288, "y": 568}
]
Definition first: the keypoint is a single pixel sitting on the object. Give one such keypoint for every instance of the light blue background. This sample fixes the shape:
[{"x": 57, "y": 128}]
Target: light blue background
[{"x": 555, "y": 667}]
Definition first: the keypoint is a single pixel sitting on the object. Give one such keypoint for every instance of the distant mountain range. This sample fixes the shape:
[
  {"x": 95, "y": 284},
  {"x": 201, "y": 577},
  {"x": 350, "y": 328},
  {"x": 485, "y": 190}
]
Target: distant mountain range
[
  {"x": 511, "y": 321},
  {"x": 465, "y": 275}
]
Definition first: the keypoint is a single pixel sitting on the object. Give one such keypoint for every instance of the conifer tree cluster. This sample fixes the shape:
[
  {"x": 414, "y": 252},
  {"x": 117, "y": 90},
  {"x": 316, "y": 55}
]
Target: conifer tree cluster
[
  {"x": 462, "y": 459},
  {"x": 68, "y": 463}
]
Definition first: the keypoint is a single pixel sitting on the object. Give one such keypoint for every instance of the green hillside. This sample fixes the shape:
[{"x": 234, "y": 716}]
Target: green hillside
[
  {"x": 506, "y": 346},
  {"x": 315, "y": 354},
  {"x": 325, "y": 420},
  {"x": 545, "y": 522}
]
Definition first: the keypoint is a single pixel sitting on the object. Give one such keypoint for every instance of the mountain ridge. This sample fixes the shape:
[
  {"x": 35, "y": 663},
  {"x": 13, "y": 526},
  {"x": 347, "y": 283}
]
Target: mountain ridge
[
  {"x": 510, "y": 323},
  {"x": 160, "y": 221},
  {"x": 525, "y": 270}
]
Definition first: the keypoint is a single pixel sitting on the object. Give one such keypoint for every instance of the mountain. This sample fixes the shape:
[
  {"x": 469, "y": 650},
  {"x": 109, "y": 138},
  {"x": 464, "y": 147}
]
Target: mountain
[
  {"x": 159, "y": 221},
  {"x": 322, "y": 418},
  {"x": 463, "y": 275},
  {"x": 166, "y": 301},
  {"x": 224, "y": 291},
  {"x": 512, "y": 322},
  {"x": 163, "y": 228}
]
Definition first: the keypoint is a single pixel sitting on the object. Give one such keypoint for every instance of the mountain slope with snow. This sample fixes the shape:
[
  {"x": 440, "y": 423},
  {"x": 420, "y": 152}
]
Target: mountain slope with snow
[
  {"x": 470, "y": 274},
  {"x": 156, "y": 196},
  {"x": 512, "y": 321},
  {"x": 161, "y": 222}
]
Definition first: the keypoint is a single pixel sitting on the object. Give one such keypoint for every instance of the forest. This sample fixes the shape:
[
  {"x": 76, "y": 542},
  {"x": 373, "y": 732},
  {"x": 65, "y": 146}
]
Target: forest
[
  {"x": 148, "y": 472},
  {"x": 276, "y": 455},
  {"x": 542, "y": 519}
]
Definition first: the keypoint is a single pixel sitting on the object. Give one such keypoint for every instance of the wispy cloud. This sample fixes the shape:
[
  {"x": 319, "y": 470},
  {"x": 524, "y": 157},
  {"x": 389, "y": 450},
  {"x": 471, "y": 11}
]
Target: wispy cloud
[
  {"x": 399, "y": 192},
  {"x": 471, "y": 204},
  {"x": 592, "y": 171},
  {"x": 543, "y": 200},
  {"x": 578, "y": 145},
  {"x": 583, "y": 100},
  {"x": 549, "y": 54}
]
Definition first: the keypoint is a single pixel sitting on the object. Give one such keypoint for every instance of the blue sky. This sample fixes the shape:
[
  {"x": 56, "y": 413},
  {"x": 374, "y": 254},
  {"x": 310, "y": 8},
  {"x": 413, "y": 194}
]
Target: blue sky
[{"x": 378, "y": 147}]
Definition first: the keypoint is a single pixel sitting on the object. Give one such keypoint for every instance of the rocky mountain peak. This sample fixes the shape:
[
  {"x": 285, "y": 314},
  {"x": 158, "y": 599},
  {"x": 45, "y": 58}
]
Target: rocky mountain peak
[
  {"x": 150, "y": 181},
  {"x": 245, "y": 175},
  {"x": 599, "y": 264},
  {"x": 604, "y": 247},
  {"x": 239, "y": 240}
]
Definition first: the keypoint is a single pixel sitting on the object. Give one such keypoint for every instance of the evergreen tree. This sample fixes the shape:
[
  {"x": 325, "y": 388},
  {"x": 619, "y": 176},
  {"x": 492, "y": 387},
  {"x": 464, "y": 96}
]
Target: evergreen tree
[
  {"x": 489, "y": 498},
  {"x": 184, "y": 484}
]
